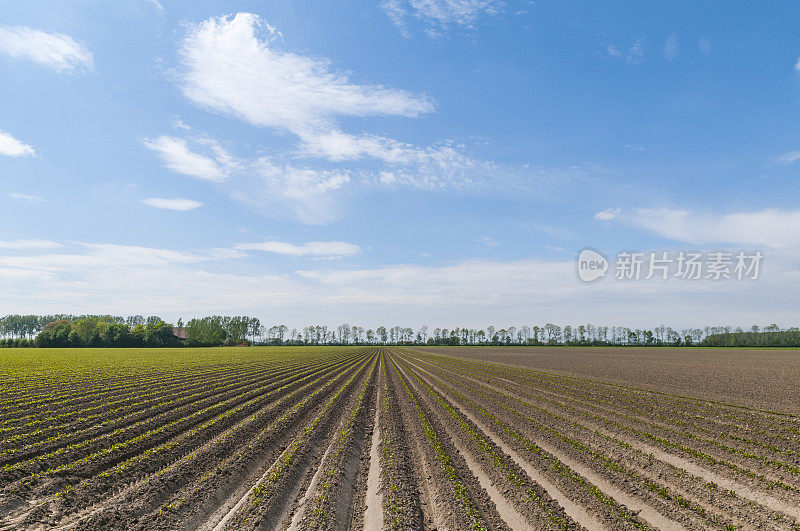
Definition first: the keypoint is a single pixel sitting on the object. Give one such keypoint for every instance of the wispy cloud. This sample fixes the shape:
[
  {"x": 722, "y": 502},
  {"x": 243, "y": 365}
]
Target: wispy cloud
[
  {"x": 323, "y": 249},
  {"x": 229, "y": 69},
  {"x": 181, "y": 205},
  {"x": 237, "y": 66},
  {"x": 770, "y": 228},
  {"x": 633, "y": 147},
  {"x": 155, "y": 3},
  {"x": 281, "y": 190},
  {"x": 788, "y": 158},
  {"x": 488, "y": 242},
  {"x": 33, "y": 199},
  {"x": 178, "y": 157},
  {"x": 12, "y": 147},
  {"x": 29, "y": 244},
  {"x": 439, "y": 14},
  {"x": 633, "y": 55},
  {"x": 608, "y": 214},
  {"x": 60, "y": 52}
]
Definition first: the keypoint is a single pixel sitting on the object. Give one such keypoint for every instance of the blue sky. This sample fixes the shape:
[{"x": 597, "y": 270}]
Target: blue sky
[{"x": 403, "y": 161}]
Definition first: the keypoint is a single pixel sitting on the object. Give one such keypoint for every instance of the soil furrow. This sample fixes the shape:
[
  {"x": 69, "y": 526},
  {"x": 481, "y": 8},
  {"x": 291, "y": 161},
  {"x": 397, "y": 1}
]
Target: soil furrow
[
  {"x": 638, "y": 507},
  {"x": 373, "y": 513},
  {"x": 572, "y": 509}
]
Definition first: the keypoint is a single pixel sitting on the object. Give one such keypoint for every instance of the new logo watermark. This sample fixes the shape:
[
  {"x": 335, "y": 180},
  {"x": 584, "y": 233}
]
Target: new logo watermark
[
  {"x": 591, "y": 265},
  {"x": 663, "y": 265}
]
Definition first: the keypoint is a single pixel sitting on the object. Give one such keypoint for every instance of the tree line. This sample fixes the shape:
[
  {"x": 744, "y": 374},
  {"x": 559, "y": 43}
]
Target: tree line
[
  {"x": 550, "y": 334},
  {"x": 139, "y": 331},
  {"x": 63, "y": 331}
]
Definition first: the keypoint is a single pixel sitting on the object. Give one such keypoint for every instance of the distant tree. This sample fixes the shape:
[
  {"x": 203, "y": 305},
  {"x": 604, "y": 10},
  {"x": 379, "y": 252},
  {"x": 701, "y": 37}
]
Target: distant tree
[
  {"x": 160, "y": 334},
  {"x": 207, "y": 331},
  {"x": 116, "y": 335},
  {"x": 85, "y": 328}
]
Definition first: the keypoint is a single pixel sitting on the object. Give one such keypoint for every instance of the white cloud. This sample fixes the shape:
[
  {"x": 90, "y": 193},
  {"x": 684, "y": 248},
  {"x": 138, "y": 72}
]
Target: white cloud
[
  {"x": 156, "y": 4},
  {"x": 129, "y": 279},
  {"x": 308, "y": 194},
  {"x": 771, "y": 228},
  {"x": 634, "y": 55},
  {"x": 671, "y": 48},
  {"x": 60, "y": 52},
  {"x": 788, "y": 158},
  {"x": 89, "y": 255},
  {"x": 439, "y": 13},
  {"x": 338, "y": 146},
  {"x": 181, "y": 205},
  {"x": 29, "y": 244},
  {"x": 33, "y": 199},
  {"x": 227, "y": 68},
  {"x": 14, "y": 148},
  {"x": 550, "y": 291},
  {"x": 446, "y": 167},
  {"x": 608, "y": 214},
  {"x": 179, "y": 158},
  {"x": 235, "y": 66},
  {"x": 325, "y": 249},
  {"x": 397, "y": 12},
  {"x": 487, "y": 241},
  {"x": 272, "y": 189}
]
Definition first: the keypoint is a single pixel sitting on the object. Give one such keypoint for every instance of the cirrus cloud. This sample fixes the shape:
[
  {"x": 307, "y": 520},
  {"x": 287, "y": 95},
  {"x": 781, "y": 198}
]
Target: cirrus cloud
[
  {"x": 181, "y": 205},
  {"x": 60, "y": 52},
  {"x": 325, "y": 249},
  {"x": 29, "y": 244},
  {"x": 771, "y": 227},
  {"x": 32, "y": 199},
  {"x": 608, "y": 214},
  {"x": 179, "y": 158},
  {"x": 438, "y": 14}
]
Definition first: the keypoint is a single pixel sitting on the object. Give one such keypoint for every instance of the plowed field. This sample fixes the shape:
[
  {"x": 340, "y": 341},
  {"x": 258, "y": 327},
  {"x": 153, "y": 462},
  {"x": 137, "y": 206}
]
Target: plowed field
[{"x": 373, "y": 438}]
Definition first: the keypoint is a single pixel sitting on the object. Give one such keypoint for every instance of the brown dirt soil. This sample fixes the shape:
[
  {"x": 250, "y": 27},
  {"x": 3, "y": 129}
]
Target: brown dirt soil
[
  {"x": 709, "y": 499},
  {"x": 511, "y": 499},
  {"x": 766, "y": 379},
  {"x": 448, "y": 507},
  {"x": 274, "y": 507}
]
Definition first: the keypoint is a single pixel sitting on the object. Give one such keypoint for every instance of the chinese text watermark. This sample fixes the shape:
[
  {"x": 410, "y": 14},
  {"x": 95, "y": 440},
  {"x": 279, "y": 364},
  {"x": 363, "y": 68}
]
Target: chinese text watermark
[{"x": 663, "y": 265}]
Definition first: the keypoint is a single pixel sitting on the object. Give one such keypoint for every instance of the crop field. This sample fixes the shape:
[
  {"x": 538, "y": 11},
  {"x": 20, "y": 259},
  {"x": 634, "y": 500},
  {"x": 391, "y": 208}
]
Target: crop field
[
  {"x": 759, "y": 378},
  {"x": 375, "y": 438}
]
